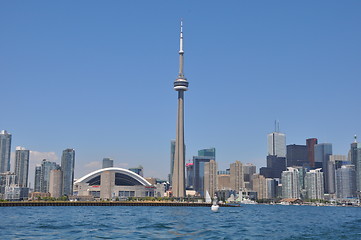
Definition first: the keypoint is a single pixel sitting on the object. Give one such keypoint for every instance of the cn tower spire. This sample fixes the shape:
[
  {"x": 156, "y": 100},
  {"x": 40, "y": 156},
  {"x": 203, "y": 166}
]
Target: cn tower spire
[
  {"x": 181, "y": 51},
  {"x": 180, "y": 85}
]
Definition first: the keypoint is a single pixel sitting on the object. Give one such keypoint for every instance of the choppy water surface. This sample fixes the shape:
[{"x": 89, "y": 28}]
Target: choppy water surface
[{"x": 118, "y": 222}]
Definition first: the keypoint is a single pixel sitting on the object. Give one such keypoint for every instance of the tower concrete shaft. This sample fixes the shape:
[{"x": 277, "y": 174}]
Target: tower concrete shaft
[{"x": 180, "y": 85}]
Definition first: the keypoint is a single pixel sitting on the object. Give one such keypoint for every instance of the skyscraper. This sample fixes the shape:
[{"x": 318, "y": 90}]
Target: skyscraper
[
  {"x": 180, "y": 85},
  {"x": 55, "y": 183},
  {"x": 5, "y": 149},
  {"x": 67, "y": 167},
  {"x": 199, "y": 173},
  {"x": 355, "y": 153},
  {"x": 236, "y": 176},
  {"x": 291, "y": 183},
  {"x": 107, "y": 163},
  {"x": 37, "y": 180},
  {"x": 322, "y": 157},
  {"x": 210, "y": 177},
  {"x": 277, "y": 144},
  {"x": 259, "y": 185},
  {"x": 46, "y": 167},
  {"x": 314, "y": 184},
  {"x": 22, "y": 166},
  {"x": 345, "y": 182},
  {"x": 208, "y": 152},
  {"x": 190, "y": 175},
  {"x": 310, "y": 143},
  {"x": 297, "y": 155}
]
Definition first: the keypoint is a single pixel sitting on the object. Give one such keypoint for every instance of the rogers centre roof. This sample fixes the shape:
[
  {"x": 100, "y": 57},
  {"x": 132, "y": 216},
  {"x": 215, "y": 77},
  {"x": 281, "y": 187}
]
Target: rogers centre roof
[{"x": 87, "y": 178}]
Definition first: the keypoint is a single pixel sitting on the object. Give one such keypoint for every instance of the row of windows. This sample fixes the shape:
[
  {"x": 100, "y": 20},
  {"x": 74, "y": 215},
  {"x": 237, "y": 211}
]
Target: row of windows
[{"x": 126, "y": 193}]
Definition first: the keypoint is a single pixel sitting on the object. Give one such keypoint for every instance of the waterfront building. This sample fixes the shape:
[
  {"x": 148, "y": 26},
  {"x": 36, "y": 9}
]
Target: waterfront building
[
  {"x": 290, "y": 183},
  {"x": 138, "y": 170},
  {"x": 107, "y": 162},
  {"x": 190, "y": 176},
  {"x": 56, "y": 183},
  {"x": 314, "y": 185},
  {"x": 210, "y": 177},
  {"x": 22, "y": 166},
  {"x": 172, "y": 152},
  {"x": 236, "y": 176},
  {"x": 113, "y": 183},
  {"x": 297, "y": 156},
  {"x": 46, "y": 167},
  {"x": 345, "y": 182},
  {"x": 259, "y": 185},
  {"x": 180, "y": 85},
  {"x": 310, "y": 143},
  {"x": 37, "y": 179},
  {"x": 277, "y": 144},
  {"x": 5, "y": 149},
  {"x": 322, "y": 156},
  {"x": 271, "y": 185},
  {"x": 67, "y": 167}
]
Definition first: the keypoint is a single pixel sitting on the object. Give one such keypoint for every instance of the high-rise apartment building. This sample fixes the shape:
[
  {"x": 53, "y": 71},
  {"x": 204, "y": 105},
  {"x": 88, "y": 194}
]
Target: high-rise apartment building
[
  {"x": 322, "y": 156},
  {"x": 210, "y": 177},
  {"x": 291, "y": 183},
  {"x": 314, "y": 184},
  {"x": 107, "y": 163},
  {"x": 5, "y": 149},
  {"x": 55, "y": 183},
  {"x": 277, "y": 144},
  {"x": 355, "y": 154},
  {"x": 297, "y": 156},
  {"x": 345, "y": 182},
  {"x": 310, "y": 143},
  {"x": 46, "y": 167},
  {"x": 236, "y": 176},
  {"x": 37, "y": 180},
  {"x": 259, "y": 185},
  {"x": 67, "y": 167},
  {"x": 22, "y": 166}
]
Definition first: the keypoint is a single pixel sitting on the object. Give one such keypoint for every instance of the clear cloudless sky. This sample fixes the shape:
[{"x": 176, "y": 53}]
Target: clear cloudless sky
[{"x": 97, "y": 76}]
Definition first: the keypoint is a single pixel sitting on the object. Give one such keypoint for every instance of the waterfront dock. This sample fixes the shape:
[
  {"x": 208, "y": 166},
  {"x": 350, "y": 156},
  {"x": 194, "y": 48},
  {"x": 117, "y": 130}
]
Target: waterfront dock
[{"x": 104, "y": 203}]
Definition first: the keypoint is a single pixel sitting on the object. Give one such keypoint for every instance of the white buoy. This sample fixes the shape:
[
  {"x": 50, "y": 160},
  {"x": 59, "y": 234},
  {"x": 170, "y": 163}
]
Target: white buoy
[{"x": 215, "y": 206}]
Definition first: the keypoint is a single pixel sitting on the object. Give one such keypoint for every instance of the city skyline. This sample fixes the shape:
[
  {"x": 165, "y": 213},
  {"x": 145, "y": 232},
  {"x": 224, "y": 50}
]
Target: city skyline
[{"x": 63, "y": 62}]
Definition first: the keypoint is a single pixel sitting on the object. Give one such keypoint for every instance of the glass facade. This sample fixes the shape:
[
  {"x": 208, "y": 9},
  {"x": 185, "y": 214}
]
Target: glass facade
[
  {"x": 67, "y": 166},
  {"x": 5, "y": 149}
]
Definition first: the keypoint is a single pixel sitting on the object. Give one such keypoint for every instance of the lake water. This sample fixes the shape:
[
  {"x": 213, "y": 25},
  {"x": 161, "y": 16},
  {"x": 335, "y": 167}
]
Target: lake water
[{"x": 120, "y": 222}]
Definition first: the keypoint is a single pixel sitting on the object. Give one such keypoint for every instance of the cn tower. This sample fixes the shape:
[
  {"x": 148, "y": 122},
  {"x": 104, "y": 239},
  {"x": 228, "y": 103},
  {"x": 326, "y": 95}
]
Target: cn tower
[{"x": 180, "y": 85}]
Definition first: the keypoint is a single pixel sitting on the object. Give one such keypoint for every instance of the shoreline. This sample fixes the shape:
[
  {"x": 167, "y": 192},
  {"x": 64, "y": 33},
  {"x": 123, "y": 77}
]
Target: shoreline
[{"x": 96, "y": 203}]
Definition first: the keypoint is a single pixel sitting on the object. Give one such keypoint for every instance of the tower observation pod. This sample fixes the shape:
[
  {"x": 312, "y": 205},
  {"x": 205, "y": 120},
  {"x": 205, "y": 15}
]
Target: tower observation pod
[{"x": 180, "y": 85}]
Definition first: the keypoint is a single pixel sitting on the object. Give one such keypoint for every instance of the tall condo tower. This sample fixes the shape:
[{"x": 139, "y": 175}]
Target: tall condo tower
[{"x": 180, "y": 85}]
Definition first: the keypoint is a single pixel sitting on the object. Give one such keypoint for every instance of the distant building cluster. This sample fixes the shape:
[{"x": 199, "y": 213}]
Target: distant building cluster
[
  {"x": 51, "y": 179},
  {"x": 307, "y": 172}
]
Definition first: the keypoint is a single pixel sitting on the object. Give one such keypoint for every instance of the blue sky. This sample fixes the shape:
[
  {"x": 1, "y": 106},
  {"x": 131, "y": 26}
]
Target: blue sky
[{"x": 97, "y": 76}]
